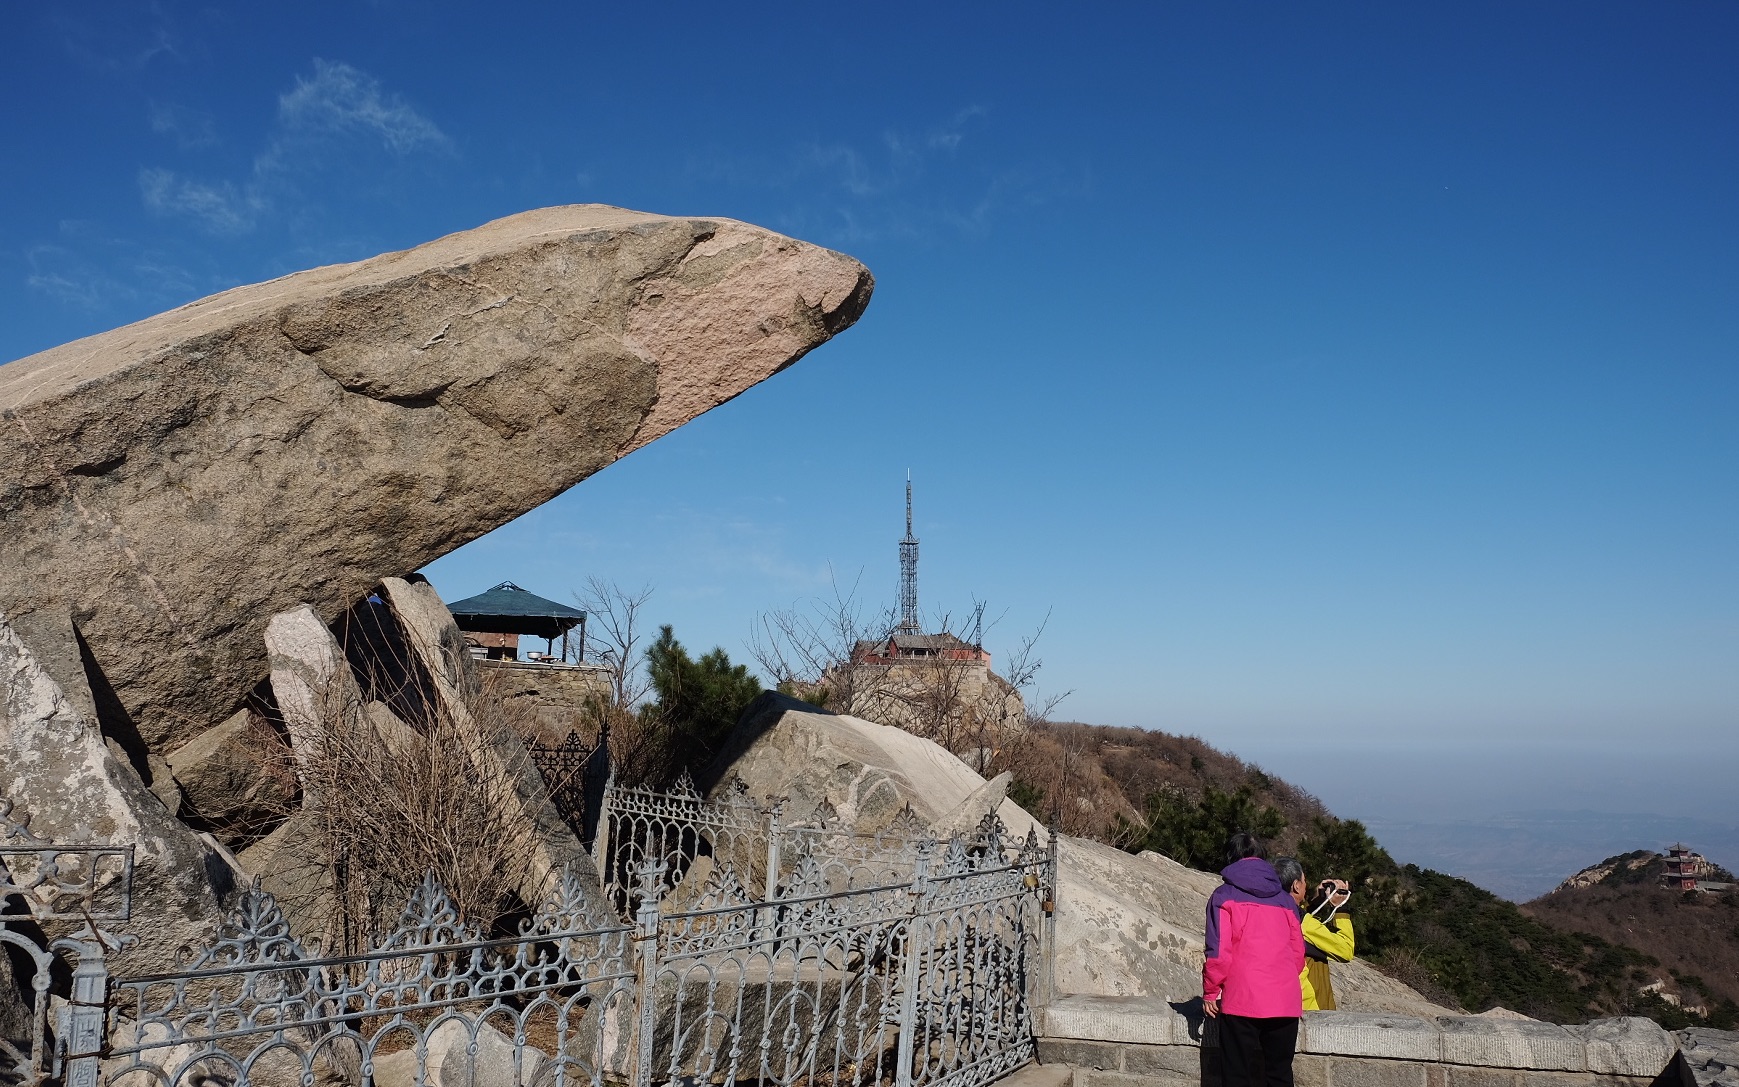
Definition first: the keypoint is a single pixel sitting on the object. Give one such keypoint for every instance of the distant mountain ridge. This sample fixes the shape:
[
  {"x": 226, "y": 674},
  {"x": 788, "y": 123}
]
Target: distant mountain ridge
[{"x": 1522, "y": 855}]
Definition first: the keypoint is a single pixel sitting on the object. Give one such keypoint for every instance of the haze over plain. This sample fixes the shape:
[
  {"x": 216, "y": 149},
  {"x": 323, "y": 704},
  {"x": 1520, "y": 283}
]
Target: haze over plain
[{"x": 1355, "y": 389}]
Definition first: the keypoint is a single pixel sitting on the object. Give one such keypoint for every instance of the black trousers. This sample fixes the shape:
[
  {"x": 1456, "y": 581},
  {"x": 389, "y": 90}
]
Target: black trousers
[{"x": 1257, "y": 1052}]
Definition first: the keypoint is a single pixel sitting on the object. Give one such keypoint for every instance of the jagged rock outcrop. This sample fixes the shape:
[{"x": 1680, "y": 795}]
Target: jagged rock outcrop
[
  {"x": 1127, "y": 926},
  {"x": 345, "y": 742},
  {"x": 234, "y": 778},
  {"x": 56, "y": 768},
  {"x": 440, "y": 651},
  {"x": 295, "y": 441},
  {"x": 1710, "y": 1057}
]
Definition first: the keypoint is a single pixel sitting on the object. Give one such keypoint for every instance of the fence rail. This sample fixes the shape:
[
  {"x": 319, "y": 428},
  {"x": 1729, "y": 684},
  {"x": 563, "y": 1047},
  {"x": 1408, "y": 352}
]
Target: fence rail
[{"x": 885, "y": 961}]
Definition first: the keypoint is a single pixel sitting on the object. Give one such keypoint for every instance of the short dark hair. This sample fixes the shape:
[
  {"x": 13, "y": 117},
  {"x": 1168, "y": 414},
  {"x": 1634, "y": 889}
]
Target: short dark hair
[
  {"x": 1241, "y": 845},
  {"x": 1289, "y": 871}
]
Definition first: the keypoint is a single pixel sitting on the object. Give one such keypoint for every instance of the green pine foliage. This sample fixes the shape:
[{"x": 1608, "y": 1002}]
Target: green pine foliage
[
  {"x": 1194, "y": 832},
  {"x": 1488, "y": 953},
  {"x": 698, "y": 700}
]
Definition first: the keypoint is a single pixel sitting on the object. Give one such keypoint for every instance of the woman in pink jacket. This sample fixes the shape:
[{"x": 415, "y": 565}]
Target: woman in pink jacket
[{"x": 1255, "y": 951}]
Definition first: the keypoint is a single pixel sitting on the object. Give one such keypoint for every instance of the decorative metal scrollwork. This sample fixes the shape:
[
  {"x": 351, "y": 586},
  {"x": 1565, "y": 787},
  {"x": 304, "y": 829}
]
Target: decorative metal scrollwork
[
  {"x": 810, "y": 957},
  {"x": 430, "y": 920}
]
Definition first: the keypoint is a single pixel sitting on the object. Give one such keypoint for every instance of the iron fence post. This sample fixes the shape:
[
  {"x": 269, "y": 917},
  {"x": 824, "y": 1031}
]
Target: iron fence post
[
  {"x": 1048, "y": 938},
  {"x": 649, "y": 878},
  {"x": 84, "y": 1018},
  {"x": 912, "y": 975},
  {"x": 775, "y": 819},
  {"x": 601, "y": 838},
  {"x": 767, "y": 920}
]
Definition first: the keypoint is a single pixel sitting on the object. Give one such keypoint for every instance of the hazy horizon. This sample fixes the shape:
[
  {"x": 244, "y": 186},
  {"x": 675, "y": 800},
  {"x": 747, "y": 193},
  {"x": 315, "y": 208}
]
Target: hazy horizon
[{"x": 1519, "y": 820}]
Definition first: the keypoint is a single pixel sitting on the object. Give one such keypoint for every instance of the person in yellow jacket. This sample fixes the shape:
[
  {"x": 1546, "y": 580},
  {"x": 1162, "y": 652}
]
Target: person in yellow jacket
[{"x": 1328, "y": 937}]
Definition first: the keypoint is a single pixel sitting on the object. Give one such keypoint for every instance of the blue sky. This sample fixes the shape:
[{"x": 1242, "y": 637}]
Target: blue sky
[{"x": 1356, "y": 378}]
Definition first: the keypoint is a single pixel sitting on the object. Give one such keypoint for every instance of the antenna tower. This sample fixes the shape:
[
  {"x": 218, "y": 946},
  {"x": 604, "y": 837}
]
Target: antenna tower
[{"x": 909, "y": 571}]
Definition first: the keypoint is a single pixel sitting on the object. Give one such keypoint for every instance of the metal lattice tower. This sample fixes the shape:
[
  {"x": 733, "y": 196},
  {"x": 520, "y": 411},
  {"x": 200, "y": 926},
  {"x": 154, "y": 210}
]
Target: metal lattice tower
[{"x": 909, "y": 571}]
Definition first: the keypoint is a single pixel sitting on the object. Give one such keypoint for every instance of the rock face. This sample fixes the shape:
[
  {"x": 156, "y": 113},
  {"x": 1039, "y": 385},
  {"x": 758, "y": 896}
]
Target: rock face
[
  {"x": 440, "y": 649},
  {"x": 1710, "y": 1057},
  {"x": 1127, "y": 926},
  {"x": 298, "y": 440},
  {"x": 56, "y": 767},
  {"x": 234, "y": 778}
]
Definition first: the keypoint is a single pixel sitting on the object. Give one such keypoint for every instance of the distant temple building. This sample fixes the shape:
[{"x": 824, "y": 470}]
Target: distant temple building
[
  {"x": 909, "y": 647},
  {"x": 1688, "y": 871},
  {"x": 1684, "y": 868}
]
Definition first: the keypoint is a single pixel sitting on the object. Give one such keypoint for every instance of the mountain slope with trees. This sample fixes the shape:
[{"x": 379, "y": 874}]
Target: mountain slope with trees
[
  {"x": 1455, "y": 942},
  {"x": 1692, "y": 936}
]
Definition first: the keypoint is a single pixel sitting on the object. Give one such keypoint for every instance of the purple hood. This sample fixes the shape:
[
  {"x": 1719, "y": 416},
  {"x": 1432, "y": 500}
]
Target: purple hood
[
  {"x": 1249, "y": 880},
  {"x": 1254, "y": 876}
]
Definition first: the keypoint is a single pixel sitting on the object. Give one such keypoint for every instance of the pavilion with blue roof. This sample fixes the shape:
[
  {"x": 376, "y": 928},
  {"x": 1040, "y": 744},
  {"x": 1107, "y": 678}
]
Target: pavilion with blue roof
[{"x": 495, "y": 620}]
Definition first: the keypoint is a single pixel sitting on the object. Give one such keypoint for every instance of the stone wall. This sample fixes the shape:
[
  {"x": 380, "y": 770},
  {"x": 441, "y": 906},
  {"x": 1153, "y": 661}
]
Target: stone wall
[
  {"x": 558, "y": 692},
  {"x": 1143, "y": 1042},
  {"x": 960, "y": 704}
]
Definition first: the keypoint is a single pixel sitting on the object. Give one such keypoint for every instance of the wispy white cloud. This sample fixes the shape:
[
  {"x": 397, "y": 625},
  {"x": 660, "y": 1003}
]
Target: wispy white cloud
[
  {"x": 222, "y": 208},
  {"x": 338, "y": 98},
  {"x": 947, "y": 137},
  {"x": 908, "y": 183},
  {"x": 95, "y": 272},
  {"x": 191, "y": 129},
  {"x": 320, "y": 122},
  {"x": 126, "y": 39}
]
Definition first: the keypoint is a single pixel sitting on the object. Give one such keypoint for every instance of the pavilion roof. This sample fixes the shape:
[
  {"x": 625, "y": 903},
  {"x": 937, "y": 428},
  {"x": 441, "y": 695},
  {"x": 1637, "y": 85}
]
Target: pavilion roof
[{"x": 509, "y": 609}]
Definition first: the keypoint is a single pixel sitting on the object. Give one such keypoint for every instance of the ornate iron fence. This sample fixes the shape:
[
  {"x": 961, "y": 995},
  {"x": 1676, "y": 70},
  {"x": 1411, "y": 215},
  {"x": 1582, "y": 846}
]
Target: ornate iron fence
[
  {"x": 256, "y": 1006},
  {"x": 928, "y": 982},
  {"x": 55, "y": 901},
  {"x": 567, "y": 769},
  {"x": 826, "y": 978},
  {"x": 682, "y": 829}
]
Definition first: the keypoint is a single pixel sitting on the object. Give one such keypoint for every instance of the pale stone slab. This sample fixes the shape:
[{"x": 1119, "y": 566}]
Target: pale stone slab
[
  {"x": 1354, "y": 1072},
  {"x": 56, "y": 768},
  {"x": 1129, "y": 1019},
  {"x": 1511, "y": 1043},
  {"x": 1628, "y": 1046},
  {"x": 1363, "y": 1034},
  {"x": 498, "y": 754},
  {"x": 1038, "y": 1075}
]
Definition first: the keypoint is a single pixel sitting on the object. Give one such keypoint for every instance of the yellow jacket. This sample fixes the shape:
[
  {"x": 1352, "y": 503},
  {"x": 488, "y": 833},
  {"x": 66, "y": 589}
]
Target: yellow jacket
[{"x": 1333, "y": 939}]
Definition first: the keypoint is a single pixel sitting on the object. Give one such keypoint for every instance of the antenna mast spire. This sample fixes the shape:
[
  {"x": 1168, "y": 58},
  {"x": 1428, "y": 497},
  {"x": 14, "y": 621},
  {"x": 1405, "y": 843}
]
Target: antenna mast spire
[{"x": 909, "y": 570}]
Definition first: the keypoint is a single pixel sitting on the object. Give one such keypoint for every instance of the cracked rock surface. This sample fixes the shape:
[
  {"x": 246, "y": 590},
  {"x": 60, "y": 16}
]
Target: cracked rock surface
[
  {"x": 1711, "y": 1056},
  {"x": 178, "y": 481}
]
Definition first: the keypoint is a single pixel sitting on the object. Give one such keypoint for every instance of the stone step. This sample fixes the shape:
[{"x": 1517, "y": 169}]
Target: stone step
[{"x": 1038, "y": 1075}]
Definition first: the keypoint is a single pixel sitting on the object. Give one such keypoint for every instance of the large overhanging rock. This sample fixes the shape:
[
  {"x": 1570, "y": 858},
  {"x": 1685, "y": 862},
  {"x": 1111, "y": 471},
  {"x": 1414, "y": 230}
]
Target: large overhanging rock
[
  {"x": 178, "y": 481},
  {"x": 1127, "y": 926}
]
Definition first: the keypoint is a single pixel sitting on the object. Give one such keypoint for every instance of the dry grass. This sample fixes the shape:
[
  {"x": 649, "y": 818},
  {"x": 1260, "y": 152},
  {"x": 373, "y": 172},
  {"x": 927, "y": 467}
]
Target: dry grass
[{"x": 431, "y": 785}]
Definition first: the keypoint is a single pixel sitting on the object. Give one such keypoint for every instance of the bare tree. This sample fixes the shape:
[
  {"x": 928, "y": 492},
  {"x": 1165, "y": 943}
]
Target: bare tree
[
  {"x": 809, "y": 650},
  {"x": 829, "y": 651},
  {"x": 642, "y": 748},
  {"x": 613, "y": 637},
  {"x": 1022, "y": 672}
]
